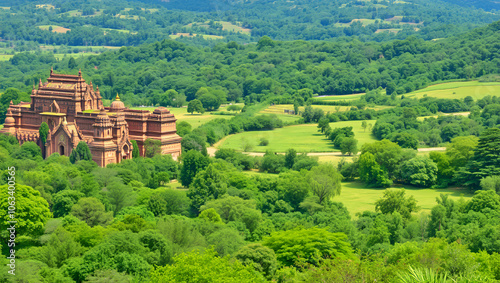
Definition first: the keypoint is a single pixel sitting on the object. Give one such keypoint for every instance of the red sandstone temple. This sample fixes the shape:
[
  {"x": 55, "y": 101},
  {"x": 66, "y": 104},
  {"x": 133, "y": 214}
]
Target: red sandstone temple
[{"x": 74, "y": 112}]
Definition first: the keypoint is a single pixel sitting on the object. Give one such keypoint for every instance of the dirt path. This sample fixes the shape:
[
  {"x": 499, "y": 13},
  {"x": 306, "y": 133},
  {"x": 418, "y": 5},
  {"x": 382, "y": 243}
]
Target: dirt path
[{"x": 212, "y": 150}]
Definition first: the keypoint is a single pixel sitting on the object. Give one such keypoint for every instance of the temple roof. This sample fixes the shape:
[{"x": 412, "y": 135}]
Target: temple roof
[{"x": 63, "y": 85}]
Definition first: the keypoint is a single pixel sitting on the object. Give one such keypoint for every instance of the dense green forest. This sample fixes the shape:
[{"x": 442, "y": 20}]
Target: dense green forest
[
  {"x": 223, "y": 215},
  {"x": 135, "y": 222},
  {"x": 26, "y": 25},
  {"x": 255, "y": 72}
]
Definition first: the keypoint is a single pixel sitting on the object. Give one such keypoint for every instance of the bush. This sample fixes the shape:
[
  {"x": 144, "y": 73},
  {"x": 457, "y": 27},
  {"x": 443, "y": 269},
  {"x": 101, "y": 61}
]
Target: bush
[{"x": 264, "y": 142}]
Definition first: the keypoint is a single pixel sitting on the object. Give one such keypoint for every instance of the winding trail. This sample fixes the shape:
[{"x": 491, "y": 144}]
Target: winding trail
[{"x": 212, "y": 150}]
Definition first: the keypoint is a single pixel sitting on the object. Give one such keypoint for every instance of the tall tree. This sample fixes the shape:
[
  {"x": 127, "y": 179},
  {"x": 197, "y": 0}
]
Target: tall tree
[
  {"x": 81, "y": 152},
  {"x": 325, "y": 181},
  {"x": 152, "y": 147},
  {"x": 396, "y": 200},
  {"x": 135, "y": 150},
  {"x": 486, "y": 159},
  {"x": 31, "y": 211},
  {"x": 195, "y": 105}
]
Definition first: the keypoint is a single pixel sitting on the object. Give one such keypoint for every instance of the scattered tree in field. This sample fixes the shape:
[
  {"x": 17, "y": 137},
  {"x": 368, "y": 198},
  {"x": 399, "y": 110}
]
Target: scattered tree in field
[
  {"x": 371, "y": 173},
  {"x": 324, "y": 181},
  {"x": 364, "y": 125},
  {"x": 323, "y": 124},
  {"x": 195, "y": 105},
  {"x": 234, "y": 108},
  {"x": 420, "y": 171},
  {"x": 349, "y": 146}
]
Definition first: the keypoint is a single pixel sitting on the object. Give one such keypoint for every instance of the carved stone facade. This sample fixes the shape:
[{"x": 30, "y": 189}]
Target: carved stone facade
[{"x": 74, "y": 112}]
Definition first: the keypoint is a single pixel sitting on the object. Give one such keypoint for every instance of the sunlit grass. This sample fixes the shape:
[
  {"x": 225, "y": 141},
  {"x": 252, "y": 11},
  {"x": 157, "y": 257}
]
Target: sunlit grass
[
  {"x": 458, "y": 90},
  {"x": 357, "y": 197},
  {"x": 303, "y": 138}
]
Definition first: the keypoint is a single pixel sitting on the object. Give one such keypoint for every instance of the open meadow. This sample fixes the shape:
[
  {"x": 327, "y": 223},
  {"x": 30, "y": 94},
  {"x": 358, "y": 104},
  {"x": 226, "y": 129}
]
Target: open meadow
[
  {"x": 357, "y": 197},
  {"x": 458, "y": 90},
  {"x": 303, "y": 138},
  {"x": 339, "y": 97}
]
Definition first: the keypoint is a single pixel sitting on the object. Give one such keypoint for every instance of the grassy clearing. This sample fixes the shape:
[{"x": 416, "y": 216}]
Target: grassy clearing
[
  {"x": 280, "y": 108},
  {"x": 303, "y": 138},
  {"x": 339, "y": 97},
  {"x": 334, "y": 159},
  {"x": 392, "y": 30},
  {"x": 56, "y": 29},
  {"x": 458, "y": 90},
  {"x": 106, "y": 30},
  {"x": 236, "y": 27},
  {"x": 46, "y": 6},
  {"x": 255, "y": 172},
  {"x": 365, "y": 22},
  {"x": 77, "y": 13},
  {"x": 5, "y": 57},
  {"x": 205, "y": 36},
  {"x": 358, "y": 198},
  {"x": 444, "y": 114},
  {"x": 74, "y": 55}
]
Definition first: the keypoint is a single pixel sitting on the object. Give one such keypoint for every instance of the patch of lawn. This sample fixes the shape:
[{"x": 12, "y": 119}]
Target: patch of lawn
[
  {"x": 5, "y": 57},
  {"x": 458, "y": 90},
  {"x": 358, "y": 198},
  {"x": 303, "y": 138},
  {"x": 57, "y": 29},
  {"x": 339, "y": 97}
]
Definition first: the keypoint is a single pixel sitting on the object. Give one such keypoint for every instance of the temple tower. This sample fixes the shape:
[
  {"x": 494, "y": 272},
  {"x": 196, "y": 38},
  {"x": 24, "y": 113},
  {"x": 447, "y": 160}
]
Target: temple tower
[{"x": 102, "y": 147}]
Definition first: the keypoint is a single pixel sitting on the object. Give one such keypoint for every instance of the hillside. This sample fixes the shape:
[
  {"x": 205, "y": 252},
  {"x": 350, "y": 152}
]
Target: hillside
[
  {"x": 255, "y": 71},
  {"x": 487, "y": 5},
  {"x": 31, "y": 25}
]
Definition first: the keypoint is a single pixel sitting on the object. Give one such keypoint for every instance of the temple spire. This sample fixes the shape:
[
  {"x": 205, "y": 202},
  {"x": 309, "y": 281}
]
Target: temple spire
[
  {"x": 40, "y": 84},
  {"x": 51, "y": 70},
  {"x": 80, "y": 73},
  {"x": 117, "y": 97}
]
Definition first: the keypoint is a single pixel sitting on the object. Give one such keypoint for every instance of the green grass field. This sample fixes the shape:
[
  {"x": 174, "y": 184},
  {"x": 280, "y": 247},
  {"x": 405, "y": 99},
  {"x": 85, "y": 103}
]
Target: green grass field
[
  {"x": 280, "y": 108},
  {"x": 358, "y": 198},
  {"x": 458, "y": 90},
  {"x": 339, "y": 97},
  {"x": 57, "y": 29},
  {"x": 303, "y": 138},
  {"x": 205, "y": 36},
  {"x": 393, "y": 30},
  {"x": 117, "y": 30},
  {"x": 5, "y": 57},
  {"x": 74, "y": 55}
]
